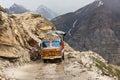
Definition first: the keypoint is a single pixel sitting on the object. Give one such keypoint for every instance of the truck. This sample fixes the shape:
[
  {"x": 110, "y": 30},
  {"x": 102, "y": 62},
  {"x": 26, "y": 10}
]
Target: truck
[{"x": 52, "y": 46}]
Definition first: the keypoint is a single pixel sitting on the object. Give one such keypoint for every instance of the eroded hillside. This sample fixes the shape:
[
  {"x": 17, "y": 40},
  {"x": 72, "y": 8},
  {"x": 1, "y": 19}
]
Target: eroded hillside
[{"x": 20, "y": 34}]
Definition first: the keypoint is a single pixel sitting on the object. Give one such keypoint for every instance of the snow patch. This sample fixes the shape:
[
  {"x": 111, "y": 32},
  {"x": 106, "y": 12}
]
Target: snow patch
[
  {"x": 74, "y": 23},
  {"x": 69, "y": 32},
  {"x": 100, "y": 3}
]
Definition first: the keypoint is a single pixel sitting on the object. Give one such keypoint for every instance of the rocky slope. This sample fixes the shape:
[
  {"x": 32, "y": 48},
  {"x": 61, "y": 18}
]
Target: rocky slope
[
  {"x": 94, "y": 27},
  {"x": 20, "y": 35}
]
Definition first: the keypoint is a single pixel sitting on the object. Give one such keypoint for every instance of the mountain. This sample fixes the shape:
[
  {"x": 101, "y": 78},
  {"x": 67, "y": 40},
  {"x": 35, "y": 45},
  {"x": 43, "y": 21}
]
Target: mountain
[
  {"x": 16, "y": 9},
  {"x": 19, "y": 47},
  {"x": 48, "y": 13},
  {"x": 18, "y": 39},
  {"x": 94, "y": 27}
]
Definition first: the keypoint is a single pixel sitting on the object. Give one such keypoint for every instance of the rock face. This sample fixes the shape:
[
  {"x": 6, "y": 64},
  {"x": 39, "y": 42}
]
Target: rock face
[
  {"x": 20, "y": 35},
  {"x": 94, "y": 27},
  {"x": 48, "y": 13},
  {"x": 87, "y": 65},
  {"x": 16, "y": 9}
]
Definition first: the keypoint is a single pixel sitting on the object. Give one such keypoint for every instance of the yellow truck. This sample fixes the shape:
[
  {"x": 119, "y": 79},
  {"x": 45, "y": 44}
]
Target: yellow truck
[{"x": 52, "y": 46}]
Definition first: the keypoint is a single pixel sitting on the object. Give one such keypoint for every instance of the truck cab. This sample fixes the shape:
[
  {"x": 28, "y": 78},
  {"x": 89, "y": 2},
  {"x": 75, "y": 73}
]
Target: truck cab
[{"x": 52, "y": 47}]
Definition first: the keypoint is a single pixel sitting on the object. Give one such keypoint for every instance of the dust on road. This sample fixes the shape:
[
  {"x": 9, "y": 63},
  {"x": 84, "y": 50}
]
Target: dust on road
[{"x": 36, "y": 71}]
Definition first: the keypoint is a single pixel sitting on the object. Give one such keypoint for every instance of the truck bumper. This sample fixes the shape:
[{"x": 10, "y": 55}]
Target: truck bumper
[{"x": 53, "y": 57}]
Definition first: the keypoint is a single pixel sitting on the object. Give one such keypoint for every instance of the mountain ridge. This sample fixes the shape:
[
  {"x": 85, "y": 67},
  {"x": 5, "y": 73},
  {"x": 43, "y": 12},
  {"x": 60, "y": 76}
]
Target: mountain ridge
[
  {"x": 18, "y": 9},
  {"x": 19, "y": 48},
  {"x": 48, "y": 13},
  {"x": 94, "y": 27}
]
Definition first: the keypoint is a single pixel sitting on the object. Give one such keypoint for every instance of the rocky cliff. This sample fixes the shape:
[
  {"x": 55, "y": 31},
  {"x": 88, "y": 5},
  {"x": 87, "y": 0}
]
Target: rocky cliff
[
  {"x": 94, "y": 27},
  {"x": 20, "y": 35}
]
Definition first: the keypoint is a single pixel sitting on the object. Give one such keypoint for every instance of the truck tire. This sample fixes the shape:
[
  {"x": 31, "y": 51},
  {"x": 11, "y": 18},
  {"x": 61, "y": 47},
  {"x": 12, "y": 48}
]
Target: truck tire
[
  {"x": 44, "y": 60},
  {"x": 59, "y": 60},
  {"x": 63, "y": 57}
]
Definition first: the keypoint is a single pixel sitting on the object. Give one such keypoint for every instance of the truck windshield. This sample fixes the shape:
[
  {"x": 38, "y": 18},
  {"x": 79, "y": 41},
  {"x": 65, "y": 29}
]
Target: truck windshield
[
  {"x": 45, "y": 44},
  {"x": 52, "y": 43},
  {"x": 56, "y": 43}
]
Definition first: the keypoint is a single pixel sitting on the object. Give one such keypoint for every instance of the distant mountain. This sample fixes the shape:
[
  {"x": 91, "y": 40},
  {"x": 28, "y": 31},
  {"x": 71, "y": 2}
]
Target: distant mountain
[
  {"x": 17, "y": 9},
  {"x": 48, "y": 13},
  {"x": 94, "y": 27}
]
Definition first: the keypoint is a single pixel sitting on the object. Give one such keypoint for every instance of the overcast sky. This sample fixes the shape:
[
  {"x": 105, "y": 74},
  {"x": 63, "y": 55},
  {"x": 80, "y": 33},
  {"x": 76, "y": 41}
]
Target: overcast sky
[{"x": 59, "y": 6}]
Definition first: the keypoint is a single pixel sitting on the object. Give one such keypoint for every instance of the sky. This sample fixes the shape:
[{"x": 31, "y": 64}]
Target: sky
[{"x": 59, "y": 6}]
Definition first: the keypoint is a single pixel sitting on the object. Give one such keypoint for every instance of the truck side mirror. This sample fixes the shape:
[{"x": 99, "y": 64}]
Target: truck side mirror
[
  {"x": 40, "y": 45},
  {"x": 64, "y": 34}
]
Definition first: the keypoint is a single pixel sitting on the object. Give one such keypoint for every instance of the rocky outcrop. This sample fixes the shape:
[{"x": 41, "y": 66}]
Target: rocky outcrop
[
  {"x": 88, "y": 65},
  {"x": 94, "y": 27},
  {"x": 20, "y": 35}
]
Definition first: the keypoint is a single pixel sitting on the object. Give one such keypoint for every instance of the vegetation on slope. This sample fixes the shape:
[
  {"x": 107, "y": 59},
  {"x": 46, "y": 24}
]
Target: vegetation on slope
[{"x": 107, "y": 69}]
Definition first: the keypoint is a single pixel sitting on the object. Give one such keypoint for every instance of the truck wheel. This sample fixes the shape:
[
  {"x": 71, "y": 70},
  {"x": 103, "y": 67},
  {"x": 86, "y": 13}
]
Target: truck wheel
[
  {"x": 63, "y": 56},
  {"x": 59, "y": 60},
  {"x": 45, "y": 61}
]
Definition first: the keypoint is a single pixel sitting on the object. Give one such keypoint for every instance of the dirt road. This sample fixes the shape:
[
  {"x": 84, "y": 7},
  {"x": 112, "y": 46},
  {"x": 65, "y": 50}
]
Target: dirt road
[
  {"x": 37, "y": 71},
  {"x": 72, "y": 68}
]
